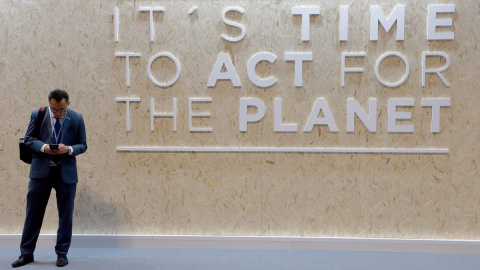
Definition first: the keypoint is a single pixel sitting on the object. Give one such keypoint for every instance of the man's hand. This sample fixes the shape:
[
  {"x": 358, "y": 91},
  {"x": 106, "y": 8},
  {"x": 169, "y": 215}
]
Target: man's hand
[{"x": 62, "y": 149}]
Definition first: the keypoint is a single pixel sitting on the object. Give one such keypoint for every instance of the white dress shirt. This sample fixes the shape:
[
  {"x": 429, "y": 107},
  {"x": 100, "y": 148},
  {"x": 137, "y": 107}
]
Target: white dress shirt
[{"x": 53, "y": 121}]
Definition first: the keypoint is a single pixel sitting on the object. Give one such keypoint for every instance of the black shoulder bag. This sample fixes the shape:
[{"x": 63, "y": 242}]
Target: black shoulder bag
[{"x": 25, "y": 151}]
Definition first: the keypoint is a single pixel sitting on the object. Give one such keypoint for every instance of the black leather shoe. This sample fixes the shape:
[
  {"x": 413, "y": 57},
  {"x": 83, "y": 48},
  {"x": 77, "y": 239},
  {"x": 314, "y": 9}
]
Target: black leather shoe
[
  {"x": 22, "y": 260},
  {"x": 62, "y": 260}
]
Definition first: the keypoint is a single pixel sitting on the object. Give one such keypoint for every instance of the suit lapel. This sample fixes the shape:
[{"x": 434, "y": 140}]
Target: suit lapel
[
  {"x": 46, "y": 131},
  {"x": 66, "y": 123}
]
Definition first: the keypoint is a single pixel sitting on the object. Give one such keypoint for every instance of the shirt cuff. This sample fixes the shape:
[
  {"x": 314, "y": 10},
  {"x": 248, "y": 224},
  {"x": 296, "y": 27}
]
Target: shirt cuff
[
  {"x": 43, "y": 148},
  {"x": 70, "y": 152}
]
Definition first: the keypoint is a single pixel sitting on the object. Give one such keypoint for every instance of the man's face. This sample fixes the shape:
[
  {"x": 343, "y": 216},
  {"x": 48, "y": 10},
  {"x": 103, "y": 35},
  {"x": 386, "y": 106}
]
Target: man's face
[{"x": 59, "y": 109}]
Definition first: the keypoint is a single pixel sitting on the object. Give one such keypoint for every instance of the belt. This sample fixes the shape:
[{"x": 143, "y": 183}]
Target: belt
[{"x": 53, "y": 164}]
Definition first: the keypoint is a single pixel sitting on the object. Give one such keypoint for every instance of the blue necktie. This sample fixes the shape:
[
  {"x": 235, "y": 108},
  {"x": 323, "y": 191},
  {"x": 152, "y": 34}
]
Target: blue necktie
[{"x": 57, "y": 127}]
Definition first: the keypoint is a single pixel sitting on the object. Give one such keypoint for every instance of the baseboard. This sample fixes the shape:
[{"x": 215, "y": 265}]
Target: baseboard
[{"x": 256, "y": 242}]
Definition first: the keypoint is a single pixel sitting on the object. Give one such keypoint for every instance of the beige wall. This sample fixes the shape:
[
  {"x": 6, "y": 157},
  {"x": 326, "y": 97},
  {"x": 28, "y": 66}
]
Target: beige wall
[{"x": 70, "y": 44}]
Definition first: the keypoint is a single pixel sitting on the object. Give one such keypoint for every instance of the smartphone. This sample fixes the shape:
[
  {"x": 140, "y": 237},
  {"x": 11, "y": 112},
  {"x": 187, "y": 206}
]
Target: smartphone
[{"x": 53, "y": 146}]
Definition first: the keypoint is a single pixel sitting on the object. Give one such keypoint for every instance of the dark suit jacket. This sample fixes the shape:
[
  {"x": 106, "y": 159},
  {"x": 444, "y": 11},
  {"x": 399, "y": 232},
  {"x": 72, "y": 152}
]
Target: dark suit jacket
[{"x": 73, "y": 134}]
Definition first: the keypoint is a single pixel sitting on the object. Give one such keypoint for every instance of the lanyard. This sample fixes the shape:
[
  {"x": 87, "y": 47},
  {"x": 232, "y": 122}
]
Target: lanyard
[{"x": 55, "y": 135}]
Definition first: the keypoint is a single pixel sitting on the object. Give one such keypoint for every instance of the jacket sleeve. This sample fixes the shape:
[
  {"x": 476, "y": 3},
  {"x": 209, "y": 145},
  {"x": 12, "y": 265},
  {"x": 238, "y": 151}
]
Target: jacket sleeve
[
  {"x": 30, "y": 141},
  {"x": 80, "y": 145}
]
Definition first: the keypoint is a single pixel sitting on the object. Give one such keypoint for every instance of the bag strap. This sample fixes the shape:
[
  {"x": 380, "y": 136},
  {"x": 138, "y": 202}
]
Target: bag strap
[{"x": 38, "y": 121}]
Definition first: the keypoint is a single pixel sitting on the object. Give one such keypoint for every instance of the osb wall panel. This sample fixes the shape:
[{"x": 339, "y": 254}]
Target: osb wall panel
[{"x": 71, "y": 45}]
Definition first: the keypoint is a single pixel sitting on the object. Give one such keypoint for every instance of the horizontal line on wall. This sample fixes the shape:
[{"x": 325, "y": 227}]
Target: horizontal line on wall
[
  {"x": 333, "y": 150},
  {"x": 257, "y": 242}
]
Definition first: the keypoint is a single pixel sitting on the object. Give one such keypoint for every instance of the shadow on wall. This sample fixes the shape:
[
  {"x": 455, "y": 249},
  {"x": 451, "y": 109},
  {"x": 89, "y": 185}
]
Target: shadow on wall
[{"x": 94, "y": 215}]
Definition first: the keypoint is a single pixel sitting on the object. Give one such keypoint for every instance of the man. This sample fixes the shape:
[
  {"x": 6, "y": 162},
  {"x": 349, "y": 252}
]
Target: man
[{"x": 61, "y": 137}]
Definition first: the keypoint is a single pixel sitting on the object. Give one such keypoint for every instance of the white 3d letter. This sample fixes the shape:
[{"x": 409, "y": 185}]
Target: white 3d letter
[
  {"x": 351, "y": 70},
  {"x": 407, "y": 69},
  {"x": 153, "y": 114},
  {"x": 151, "y": 10},
  {"x": 425, "y": 70},
  {"x": 149, "y": 69},
  {"x": 354, "y": 108},
  {"x": 234, "y": 24},
  {"x": 278, "y": 126},
  {"x": 393, "y": 115},
  {"x": 192, "y": 114},
  {"x": 128, "y": 100},
  {"x": 343, "y": 23},
  {"x": 435, "y": 103},
  {"x": 217, "y": 74},
  {"x": 251, "y": 69},
  {"x": 127, "y": 62},
  {"x": 433, "y": 22},
  {"x": 115, "y": 22},
  {"x": 245, "y": 118},
  {"x": 376, "y": 15},
  {"x": 298, "y": 58},
  {"x": 306, "y": 12},
  {"x": 321, "y": 105}
]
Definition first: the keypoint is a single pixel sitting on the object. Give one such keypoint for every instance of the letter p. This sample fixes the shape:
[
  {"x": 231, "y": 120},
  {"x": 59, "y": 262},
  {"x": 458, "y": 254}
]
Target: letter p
[{"x": 245, "y": 118}]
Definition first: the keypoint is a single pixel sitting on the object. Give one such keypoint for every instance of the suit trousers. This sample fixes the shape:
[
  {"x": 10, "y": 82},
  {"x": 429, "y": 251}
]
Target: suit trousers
[{"x": 37, "y": 199}]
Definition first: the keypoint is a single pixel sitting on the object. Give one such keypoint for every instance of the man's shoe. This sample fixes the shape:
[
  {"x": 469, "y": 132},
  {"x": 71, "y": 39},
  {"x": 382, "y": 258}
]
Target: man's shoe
[
  {"x": 22, "y": 260},
  {"x": 62, "y": 260}
]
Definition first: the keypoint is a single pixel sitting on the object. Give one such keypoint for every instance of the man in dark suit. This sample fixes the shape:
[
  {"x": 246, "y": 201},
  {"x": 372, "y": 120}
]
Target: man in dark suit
[{"x": 61, "y": 138}]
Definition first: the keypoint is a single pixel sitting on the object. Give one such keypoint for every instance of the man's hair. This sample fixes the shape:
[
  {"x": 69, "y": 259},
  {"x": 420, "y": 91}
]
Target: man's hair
[{"x": 58, "y": 95}]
